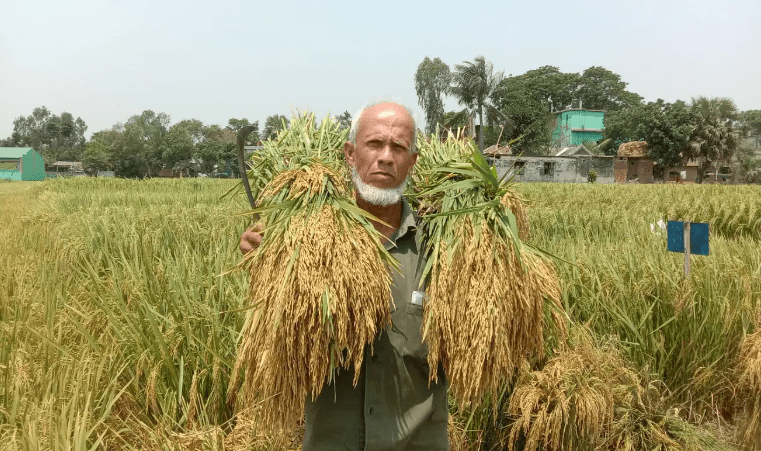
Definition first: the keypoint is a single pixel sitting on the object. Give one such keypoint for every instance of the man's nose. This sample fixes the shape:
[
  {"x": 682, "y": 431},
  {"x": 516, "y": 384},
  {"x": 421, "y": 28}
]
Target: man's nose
[{"x": 385, "y": 157}]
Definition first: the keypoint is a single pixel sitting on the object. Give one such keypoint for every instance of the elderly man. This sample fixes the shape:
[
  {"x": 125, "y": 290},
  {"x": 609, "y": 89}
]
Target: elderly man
[{"x": 392, "y": 407}]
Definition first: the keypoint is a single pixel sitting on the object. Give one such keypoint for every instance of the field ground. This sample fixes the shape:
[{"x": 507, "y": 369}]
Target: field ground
[{"x": 119, "y": 316}]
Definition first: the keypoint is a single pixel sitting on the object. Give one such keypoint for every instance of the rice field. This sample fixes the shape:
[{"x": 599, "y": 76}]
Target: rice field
[{"x": 119, "y": 318}]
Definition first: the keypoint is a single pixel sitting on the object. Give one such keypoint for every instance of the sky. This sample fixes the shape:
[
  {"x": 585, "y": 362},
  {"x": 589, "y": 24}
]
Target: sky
[{"x": 106, "y": 60}]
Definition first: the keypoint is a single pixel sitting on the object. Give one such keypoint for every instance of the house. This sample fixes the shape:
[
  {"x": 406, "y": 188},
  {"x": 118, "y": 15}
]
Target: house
[
  {"x": 21, "y": 163},
  {"x": 686, "y": 173},
  {"x": 497, "y": 151},
  {"x": 550, "y": 168},
  {"x": 65, "y": 169},
  {"x": 576, "y": 126},
  {"x": 633, "y": 163},
  {"x": 576, "y": 151}
]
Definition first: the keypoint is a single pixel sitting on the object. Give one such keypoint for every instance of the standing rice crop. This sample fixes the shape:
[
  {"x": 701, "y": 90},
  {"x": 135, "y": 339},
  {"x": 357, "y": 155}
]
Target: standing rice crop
[
  {"x": 488, "y": 294},
  {"x": 750, "y": 384},
  {"x": 320, "y": 286}
]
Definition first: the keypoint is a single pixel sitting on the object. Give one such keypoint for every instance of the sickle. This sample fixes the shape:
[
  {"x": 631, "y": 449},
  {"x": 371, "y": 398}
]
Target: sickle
[{"x": 242, "y": 134}]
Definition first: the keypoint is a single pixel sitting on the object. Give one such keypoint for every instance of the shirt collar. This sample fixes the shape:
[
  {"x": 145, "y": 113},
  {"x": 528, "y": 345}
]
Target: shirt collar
[{"x": 408, "y": 224}]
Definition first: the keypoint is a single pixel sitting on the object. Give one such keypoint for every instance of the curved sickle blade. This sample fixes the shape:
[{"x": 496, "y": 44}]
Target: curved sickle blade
[{"x": 242, "y": 135}]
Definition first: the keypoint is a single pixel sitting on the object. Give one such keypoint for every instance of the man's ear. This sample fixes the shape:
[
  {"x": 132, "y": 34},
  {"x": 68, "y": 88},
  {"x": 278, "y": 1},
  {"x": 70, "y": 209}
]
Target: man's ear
[{"x": 349, "y": 152}]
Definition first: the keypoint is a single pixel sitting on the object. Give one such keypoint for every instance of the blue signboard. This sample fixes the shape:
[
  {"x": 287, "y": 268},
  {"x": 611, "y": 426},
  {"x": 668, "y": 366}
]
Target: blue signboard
[{"x": 698, "y": 237}]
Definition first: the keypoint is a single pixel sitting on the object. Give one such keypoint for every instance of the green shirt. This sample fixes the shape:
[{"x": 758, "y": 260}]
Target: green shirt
[{"x": 392, "y": 407}]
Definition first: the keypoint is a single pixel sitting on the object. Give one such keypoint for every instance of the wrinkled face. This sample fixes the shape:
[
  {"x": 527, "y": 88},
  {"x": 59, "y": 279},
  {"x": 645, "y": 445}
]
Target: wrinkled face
[{"x": 382, "y": 155}]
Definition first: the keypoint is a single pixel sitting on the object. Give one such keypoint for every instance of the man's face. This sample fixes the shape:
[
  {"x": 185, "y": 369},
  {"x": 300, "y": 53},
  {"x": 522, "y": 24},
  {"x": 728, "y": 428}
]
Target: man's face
[{"x": 382, "y": 155}]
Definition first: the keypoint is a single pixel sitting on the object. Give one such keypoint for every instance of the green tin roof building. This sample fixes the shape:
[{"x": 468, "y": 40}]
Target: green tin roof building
[
  {"x": 21, "y": 163},
  {"x": 576, "y": 126}
]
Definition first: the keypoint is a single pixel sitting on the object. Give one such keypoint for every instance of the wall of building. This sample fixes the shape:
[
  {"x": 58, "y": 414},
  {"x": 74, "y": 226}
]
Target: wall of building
[
  {"x": 630, "y": 169},
  {"x": 568, "y": 120},
  {"x": 10, "y": 174},
  {"x": 555, "y": 169},
  {"x": 32, "y": 166},
  {"x": 578, "y": 138}
]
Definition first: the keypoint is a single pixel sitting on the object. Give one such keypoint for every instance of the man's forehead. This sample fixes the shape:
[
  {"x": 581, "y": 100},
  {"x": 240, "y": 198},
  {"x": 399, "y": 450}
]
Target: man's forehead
[{"x": 388, "y": 110}]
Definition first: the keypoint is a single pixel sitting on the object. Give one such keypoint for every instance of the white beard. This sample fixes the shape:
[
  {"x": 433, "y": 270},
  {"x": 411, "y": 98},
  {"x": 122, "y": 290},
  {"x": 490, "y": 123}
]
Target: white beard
[{"x": 382, "y": 197}]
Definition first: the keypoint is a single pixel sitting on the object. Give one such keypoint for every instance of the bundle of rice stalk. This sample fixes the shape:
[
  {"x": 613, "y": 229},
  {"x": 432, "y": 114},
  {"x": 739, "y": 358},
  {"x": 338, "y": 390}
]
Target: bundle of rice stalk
[
  {"x": 569, "y": 404},
  {"x": 320, "y": 284},
  {"x": 489, "y": 295},
  {"x": 750, "y": 386}
]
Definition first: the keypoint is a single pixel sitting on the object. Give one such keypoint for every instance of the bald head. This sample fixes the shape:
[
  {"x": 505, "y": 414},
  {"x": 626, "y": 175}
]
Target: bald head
[{"x": 383, "y": 110}]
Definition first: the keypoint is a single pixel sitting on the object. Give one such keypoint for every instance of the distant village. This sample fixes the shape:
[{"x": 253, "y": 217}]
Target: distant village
[
  {"x": 570, "y": 161},
  {"x": 573, "y": 162}
]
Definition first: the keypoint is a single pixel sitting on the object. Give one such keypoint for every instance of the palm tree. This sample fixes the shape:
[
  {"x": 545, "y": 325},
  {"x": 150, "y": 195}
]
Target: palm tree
[
  {"x": 714, "y": 138},
  {"x": 472, "y": 85}
]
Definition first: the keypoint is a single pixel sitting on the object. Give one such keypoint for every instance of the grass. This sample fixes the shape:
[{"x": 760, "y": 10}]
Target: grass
[{"x": 119, "y": 331}]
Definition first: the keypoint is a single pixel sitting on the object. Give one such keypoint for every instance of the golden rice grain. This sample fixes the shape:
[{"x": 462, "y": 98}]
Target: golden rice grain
[
  {"x": 319, "y": 298},
  {"x": 485, "y": 313}
]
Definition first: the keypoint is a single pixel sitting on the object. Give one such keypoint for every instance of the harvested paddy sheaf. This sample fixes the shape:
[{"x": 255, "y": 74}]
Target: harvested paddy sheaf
[
  {"x": 320, "y": 282},
  {"x": 489, "y": 296},
  {"x": 589, "y": 396}
]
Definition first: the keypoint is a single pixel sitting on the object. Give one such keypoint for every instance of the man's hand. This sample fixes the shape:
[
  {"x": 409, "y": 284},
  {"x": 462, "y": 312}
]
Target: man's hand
[{"x": 251, "y": 238}]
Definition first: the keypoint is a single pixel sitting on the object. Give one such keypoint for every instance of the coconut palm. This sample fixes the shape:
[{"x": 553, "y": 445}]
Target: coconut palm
[
  {"x": 472, "y": 85},
  {"x": 714, "y": 138}
]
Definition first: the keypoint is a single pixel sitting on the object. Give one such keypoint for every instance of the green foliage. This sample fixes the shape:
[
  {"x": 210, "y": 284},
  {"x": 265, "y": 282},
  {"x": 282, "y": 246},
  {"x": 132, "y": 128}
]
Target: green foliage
[
  {"x": 344, "y": 120},
  {"x": 714, "y": 138},
  {"x": 145, "y": 138},
  {"x": 431, "y": 82},
  {"x": 521, "y": 100},
  {"x": 273, "y": 125},
  {"x": 472, "y": 85},
  {"x": 750, "y": 122},
  {"x": 592, "y": 176},
  {"x": 665, "y": 126},
  {"x": 104, "y": 151},
  {"x": 600, "y": 89},
  {"x": 54, "y": 137}
]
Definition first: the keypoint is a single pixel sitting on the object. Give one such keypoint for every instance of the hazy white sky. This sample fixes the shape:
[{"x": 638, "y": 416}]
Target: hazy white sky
[{"x": 106, "y": 60}]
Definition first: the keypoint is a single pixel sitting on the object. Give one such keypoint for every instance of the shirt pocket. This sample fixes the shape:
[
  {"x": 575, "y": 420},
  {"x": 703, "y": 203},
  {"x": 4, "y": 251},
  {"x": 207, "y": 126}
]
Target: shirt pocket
[
  {"x": 415, "y": 305},
  {"x": 415, "y": 350}
]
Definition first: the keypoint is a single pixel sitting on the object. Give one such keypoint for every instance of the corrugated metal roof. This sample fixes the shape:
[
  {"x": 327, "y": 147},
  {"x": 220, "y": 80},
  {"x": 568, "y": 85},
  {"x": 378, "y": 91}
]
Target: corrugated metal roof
[{"x": 13, "y": 152}]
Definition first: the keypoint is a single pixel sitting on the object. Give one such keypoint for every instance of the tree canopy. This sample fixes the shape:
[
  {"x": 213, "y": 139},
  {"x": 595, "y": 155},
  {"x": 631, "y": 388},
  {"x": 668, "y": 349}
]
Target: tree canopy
[
  {"x": 473, "y": 84},
  {"x": 714, "y": 138},
  {"x": 272, "y": 125},
  {"x": 54, "y": 137},
  {"x": 431, "y": 83}
]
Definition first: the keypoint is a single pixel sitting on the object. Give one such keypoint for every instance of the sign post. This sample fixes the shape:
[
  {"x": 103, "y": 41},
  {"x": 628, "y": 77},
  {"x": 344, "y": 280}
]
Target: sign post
[{"x": 688, "y": 237}]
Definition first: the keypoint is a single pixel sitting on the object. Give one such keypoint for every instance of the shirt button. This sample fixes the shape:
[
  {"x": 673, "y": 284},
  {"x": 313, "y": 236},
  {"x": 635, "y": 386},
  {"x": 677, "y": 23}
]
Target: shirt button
[
  {"x": 374, "y": 358},
  {"x": 370, "y": 411}
]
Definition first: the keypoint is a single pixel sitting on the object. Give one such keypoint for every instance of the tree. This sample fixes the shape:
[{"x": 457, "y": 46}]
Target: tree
[
  {"x": 750, "y": 122},
  {"x": 236, "y": 124},
  {"x": 473, "y": 85},
  {"x": 714, "y": 138},
  {"x": 272, "y": 125},
  {"x": 600, "y": 89},
  {"x": 528, "y": 101},
  {"x": 546, "y": 85},
  {"x": 431, "y": 82},
  {"x": 665, "y": 126},
  {"x": 54, "y": 137},
  {"x": 146, "y": 140},
  {"x": 217, "y": 148},
  {"x": 105, "y": 152},
  {"x": 181, "y": 140},
  {"x": 344, "y": 120}
]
